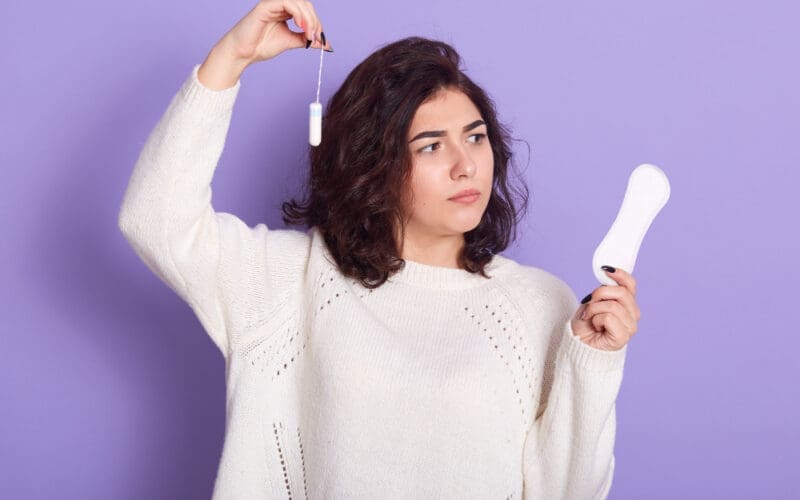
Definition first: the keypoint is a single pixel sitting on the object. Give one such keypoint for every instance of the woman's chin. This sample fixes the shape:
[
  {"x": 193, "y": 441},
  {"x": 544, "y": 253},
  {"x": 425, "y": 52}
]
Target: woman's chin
[{"x": 466, "y": 224}]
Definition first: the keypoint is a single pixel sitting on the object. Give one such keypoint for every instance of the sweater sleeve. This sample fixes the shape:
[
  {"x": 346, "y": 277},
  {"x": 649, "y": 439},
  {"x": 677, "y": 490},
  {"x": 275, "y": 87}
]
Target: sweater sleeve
[
  {"x": 216, "y": 263},
  {"x": 568, "y": 451}
]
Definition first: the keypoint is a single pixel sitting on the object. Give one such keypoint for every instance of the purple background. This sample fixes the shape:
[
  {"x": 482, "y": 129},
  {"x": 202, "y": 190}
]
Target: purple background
[{"x": 110, "y": 388}]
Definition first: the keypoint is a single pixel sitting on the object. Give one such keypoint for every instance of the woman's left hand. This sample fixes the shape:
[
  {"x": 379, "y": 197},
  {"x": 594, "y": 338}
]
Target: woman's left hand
[{"x": 609, "y": 319}]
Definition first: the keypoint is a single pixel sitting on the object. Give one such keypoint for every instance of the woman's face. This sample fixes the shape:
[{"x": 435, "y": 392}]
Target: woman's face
[{"x": 450, "y": 151}]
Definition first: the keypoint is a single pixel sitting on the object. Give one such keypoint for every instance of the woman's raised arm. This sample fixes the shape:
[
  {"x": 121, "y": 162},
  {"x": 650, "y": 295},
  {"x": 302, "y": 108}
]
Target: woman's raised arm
[{"x": 166, "y": 215}]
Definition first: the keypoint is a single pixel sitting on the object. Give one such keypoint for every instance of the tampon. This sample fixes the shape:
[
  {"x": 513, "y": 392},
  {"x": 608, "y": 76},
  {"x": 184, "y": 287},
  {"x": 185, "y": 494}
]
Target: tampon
[{"x": 315, "y": 123}]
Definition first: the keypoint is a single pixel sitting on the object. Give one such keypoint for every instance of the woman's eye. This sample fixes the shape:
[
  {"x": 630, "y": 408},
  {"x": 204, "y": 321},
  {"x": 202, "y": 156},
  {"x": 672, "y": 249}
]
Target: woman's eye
[{"x": 479, "y": 139}]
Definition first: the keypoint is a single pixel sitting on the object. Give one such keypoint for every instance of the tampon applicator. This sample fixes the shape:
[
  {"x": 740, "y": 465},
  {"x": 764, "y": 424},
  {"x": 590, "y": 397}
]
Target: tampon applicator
[{"x": 315, "y": 110}]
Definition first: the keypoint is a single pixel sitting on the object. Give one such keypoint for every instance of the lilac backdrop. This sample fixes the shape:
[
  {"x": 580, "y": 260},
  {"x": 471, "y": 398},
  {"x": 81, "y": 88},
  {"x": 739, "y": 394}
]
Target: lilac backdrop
[{"x": 109, "y": 387}]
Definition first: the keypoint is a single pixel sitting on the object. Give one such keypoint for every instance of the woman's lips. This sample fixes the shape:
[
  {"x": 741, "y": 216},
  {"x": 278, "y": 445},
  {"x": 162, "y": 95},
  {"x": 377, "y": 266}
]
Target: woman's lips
[{"x": 466, "y": 199}]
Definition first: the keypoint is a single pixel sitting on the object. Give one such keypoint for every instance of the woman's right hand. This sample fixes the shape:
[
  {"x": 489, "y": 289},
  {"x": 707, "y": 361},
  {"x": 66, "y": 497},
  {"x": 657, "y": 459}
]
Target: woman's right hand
[
  {"x": 263, "y": 33},
  {"x": 260, "y": 35}
]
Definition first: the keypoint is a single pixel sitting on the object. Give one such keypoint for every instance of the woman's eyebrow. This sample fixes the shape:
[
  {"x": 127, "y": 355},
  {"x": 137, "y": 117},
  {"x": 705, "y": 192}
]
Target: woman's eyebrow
[{"x": 440, "y": 133}]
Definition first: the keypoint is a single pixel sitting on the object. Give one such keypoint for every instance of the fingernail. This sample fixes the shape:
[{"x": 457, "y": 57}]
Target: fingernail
[
  {"x": 328, "y": 50},
  {"x": 323, "y": 37},
  {"x": 608, "y": 268},
  {"x": 586, "y": 299},
  {"x": 308, "y": 43}
]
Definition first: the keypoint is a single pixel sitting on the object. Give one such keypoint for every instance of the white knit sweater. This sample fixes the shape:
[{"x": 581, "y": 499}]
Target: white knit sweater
[{"x": 438, "y": 384}]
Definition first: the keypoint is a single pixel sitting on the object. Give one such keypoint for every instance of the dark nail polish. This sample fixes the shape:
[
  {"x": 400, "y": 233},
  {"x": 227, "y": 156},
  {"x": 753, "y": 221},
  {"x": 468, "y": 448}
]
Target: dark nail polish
[
  {"x": 586, "y": 299},
  {"x": 328, "y": 50},
  {"x": 308, "y": 43},
  {"x": 608, "y": 268},
  {"x": 322, "y": 33}
]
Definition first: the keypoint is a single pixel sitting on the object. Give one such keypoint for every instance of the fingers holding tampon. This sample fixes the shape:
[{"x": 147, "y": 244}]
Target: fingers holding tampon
[{"x": 309, "y": 22}]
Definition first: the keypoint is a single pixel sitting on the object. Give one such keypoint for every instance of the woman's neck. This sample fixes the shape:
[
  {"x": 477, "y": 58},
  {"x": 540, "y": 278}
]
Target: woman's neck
[{"x": 440, "y": 251}]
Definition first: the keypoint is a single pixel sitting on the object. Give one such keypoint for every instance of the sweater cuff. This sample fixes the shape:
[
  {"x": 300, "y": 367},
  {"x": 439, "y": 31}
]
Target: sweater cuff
[
  {"x": 586, "y": 357},
  {"x": 213, "y": 102}
]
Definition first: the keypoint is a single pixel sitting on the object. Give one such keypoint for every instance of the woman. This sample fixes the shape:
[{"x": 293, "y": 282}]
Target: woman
[{"x": 388, "y": 351}]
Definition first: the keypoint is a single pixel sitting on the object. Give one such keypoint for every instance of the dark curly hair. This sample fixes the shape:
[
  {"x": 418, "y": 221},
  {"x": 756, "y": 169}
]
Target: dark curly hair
[{"x": 360, "y": 171}]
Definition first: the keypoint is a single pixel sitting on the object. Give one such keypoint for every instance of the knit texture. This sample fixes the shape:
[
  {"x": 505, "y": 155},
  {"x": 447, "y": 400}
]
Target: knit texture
[{"x": 438, "y": 384}]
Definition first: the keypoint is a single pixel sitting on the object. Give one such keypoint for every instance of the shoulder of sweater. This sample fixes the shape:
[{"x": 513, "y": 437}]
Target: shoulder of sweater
[
  {"x": 261, "y": 272},
  {"x": 262, "y": 256},
  {"x": 532, "y": 282},
  {"x": 270, "y": 240},
  {"x": 534, "y": 277}
]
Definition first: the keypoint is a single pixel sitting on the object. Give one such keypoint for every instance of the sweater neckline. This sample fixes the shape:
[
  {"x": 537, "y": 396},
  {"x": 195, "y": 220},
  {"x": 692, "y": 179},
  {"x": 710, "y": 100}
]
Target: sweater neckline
[
  {"x": 429, "y": 276},
  {"x": 440, "y": 277}
]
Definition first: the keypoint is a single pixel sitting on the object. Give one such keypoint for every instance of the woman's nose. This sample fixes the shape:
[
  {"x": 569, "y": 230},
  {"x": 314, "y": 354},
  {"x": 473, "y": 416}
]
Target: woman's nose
[{"x": 463, "y": 163}]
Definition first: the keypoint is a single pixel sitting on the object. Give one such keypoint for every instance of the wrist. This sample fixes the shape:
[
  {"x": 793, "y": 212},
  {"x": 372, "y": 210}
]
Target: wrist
[{"x": 222, "y": 68}]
